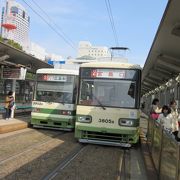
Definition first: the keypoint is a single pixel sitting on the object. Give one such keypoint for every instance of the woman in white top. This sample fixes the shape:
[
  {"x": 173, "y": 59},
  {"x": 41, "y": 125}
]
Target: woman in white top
[
  {"x": 168, "y": 122},
  {"x": 165, "y": 118}
]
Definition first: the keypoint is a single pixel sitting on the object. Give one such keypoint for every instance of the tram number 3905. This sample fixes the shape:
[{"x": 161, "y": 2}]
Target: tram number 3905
[{"x": 106, "y": 121}]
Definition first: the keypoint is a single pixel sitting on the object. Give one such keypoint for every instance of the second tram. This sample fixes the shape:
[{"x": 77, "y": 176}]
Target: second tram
[
  {"x": 108, "y": 103},
  {"x": 54, "y": 104}
]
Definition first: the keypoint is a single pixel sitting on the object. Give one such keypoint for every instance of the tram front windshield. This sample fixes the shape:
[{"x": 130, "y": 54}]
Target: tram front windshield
[
  {"x": 107, "y": 92},
  {"x": 57, "y": 92}
]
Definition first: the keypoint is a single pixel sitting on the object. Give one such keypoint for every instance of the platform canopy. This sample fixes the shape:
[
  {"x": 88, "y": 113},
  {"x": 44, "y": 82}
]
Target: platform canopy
[
  {"x": 11, "y": 56},
  {"x": 163, "y": 61}
]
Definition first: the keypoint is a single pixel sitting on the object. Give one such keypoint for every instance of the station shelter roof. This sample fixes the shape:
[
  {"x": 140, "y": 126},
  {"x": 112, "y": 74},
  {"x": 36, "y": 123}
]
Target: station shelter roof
[
  {"x": 163, "y": 61},
  {"x": 11, "y": 56}
]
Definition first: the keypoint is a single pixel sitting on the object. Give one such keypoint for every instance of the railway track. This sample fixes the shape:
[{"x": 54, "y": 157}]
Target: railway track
[
  {"x": 45, "y": 141},
  {"x": 124, "y": 168},
  {"x": 100, "y": 162},
  {"x": 65, "y": 162},
  {"x": 63, "y": 158},
  {"x": 73, "y": 158},
  {"x": 38, "y": 159}
]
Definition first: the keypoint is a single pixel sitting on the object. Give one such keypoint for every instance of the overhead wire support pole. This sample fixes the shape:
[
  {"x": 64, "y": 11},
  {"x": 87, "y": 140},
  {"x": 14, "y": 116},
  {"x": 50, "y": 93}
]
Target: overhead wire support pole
[{"x": 49, "y": 25}]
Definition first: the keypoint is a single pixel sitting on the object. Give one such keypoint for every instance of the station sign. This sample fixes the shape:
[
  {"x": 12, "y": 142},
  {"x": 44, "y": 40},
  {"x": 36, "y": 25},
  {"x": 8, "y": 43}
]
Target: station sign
[{"x": 14, "y": 73}]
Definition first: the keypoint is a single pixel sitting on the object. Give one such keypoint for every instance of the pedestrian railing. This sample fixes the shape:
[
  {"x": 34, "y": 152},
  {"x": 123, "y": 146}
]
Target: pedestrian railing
[{"x": 165, "y": 151}]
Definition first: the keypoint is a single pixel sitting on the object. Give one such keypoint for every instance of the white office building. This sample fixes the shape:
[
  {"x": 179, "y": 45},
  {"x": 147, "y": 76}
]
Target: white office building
[
  {"x": 37, "y": 51},
  {"x": 86, "y": 49},
  {"x": 15, "y": 15}
]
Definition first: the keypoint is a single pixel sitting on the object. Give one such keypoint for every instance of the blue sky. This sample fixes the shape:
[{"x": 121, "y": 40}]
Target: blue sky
[{"x": 136, "y": 23}]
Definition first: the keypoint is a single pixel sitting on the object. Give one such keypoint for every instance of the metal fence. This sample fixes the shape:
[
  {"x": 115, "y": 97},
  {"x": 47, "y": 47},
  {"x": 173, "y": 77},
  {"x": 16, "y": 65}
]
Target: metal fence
[{"x": 165, "y": 151}]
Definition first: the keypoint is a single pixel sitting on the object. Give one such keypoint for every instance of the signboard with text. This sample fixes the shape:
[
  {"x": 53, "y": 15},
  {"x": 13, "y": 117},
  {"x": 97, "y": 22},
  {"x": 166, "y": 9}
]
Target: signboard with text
[
  {"x": 52, "y": 77},
  {"x": 107, "y": 73},
  {"x": 14, "y": 73}
]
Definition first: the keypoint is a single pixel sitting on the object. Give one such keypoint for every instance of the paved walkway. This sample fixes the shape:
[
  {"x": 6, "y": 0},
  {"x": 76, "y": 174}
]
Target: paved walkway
[{"x": 14, "y": 124}]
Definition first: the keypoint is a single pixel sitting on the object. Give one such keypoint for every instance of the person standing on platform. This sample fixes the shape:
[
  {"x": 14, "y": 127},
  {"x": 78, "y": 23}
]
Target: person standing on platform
[
  {"x": 9, "y": 103},
  {"x": 155, "y": 109},
  {"x": 165, "y": 118},
  {"x": 168, "y": 122},
  {"x": 175, "y": 118}
]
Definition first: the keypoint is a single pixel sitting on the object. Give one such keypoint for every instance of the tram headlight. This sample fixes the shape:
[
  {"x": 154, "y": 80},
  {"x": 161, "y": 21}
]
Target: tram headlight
[
  {"x": 85, "y": 119},
  {"x": 126, "y": 122}
]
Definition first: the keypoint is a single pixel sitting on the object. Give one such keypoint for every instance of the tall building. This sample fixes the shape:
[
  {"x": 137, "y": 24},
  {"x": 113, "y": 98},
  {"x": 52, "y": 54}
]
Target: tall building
[
  {"x": 15, "y": 23},
  {"x": 86, "y": 49}
]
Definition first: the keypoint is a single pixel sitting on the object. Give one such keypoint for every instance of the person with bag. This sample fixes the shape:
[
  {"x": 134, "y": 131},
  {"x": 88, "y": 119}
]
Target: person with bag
[{"x": 9, "y": 103}]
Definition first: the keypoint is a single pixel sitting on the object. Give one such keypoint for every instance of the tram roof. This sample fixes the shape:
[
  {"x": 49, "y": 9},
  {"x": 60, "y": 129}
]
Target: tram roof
[
  {"x": 163, "y": 61},
  {"x": 58, "y": 71},
  {"x": 15, "y": 57},
  {"x": 111, "y": 65}
]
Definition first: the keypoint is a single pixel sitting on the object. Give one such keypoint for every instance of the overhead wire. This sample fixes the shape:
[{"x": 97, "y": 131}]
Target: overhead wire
[
  {"x": 56, "y": 31},
  {"x": 108, "y": 6},
  {"x": 51, "y": 20}
]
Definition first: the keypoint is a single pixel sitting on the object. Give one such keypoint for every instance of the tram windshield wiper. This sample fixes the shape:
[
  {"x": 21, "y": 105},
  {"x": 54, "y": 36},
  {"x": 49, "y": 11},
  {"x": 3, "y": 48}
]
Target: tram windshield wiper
[{"x": 99, "y": 102}]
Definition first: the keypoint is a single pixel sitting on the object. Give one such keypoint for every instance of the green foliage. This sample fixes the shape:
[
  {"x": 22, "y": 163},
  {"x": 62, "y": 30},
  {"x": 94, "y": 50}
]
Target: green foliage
[
  {"x": 11, "y": 43},
  {"x": 30, "y": 75},
  {"x": 14, "y": 44}
]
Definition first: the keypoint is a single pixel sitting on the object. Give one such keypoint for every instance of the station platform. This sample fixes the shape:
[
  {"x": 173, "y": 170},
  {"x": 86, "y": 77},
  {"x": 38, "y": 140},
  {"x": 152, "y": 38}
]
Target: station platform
[
  {"x": 14, "y": 124},
  {"x": 20, "y": 123},
  {"x": 150, "y": 168}
]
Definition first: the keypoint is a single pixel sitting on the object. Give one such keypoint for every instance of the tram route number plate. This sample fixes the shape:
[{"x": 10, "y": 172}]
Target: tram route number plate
[{"x": 106, "y": 121}]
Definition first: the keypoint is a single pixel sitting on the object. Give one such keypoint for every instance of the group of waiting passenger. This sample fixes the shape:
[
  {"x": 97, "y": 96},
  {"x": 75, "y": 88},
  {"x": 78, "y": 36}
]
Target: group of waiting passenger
[{"x": 167, "y": 116}]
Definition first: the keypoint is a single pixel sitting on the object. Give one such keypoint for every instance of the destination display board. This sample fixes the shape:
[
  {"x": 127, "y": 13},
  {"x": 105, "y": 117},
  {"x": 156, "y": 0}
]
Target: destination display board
[
  {"x": 108, "y": 73},
  {"x": 14, "y": 73},
  {"x": 52, "y": 77}
]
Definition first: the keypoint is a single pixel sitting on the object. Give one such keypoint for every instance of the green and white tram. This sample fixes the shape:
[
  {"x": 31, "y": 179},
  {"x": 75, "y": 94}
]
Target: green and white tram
[
  {"x": 54, "y": 104},
  {"x": 108, "y": 104}
]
